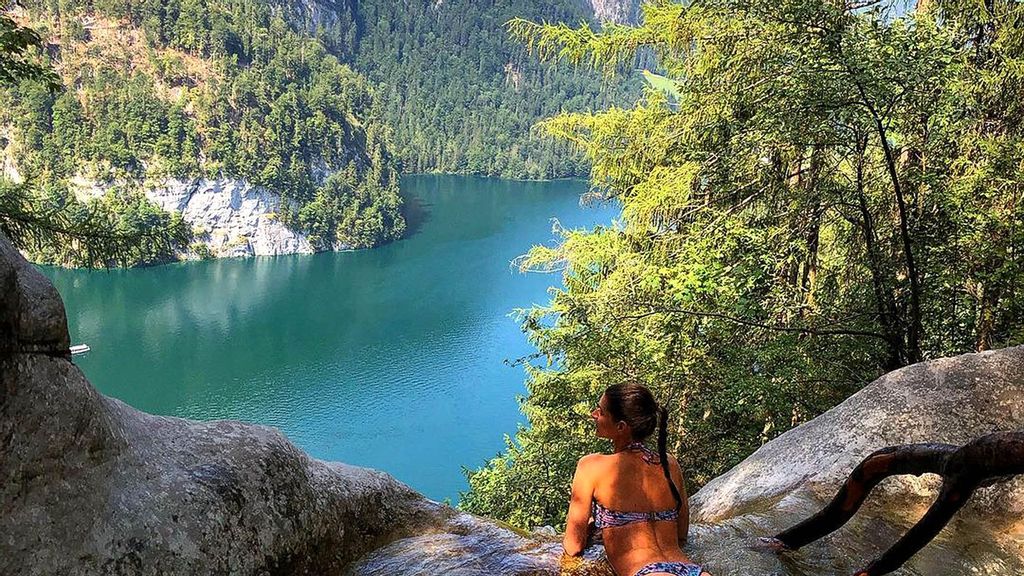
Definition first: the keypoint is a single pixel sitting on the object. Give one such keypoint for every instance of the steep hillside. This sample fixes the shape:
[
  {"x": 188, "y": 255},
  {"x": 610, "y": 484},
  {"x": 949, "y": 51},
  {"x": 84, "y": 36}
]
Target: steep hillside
[{"x": 165, "y": 98}]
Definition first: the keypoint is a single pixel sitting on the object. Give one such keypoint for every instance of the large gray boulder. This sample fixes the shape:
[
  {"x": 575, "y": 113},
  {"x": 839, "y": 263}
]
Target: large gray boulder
[
  {"x": 32, "y": 317},
  {"x": 950, "y": 400}
]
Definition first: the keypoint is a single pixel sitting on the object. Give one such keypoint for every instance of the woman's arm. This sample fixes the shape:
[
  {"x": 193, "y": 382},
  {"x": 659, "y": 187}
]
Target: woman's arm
[
  {"x": 683, "y": 523},
  {"x": 579, "y": 508}
]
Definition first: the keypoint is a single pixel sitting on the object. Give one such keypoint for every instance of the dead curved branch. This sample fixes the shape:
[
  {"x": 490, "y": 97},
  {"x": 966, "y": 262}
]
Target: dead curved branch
[{"x": 985, "y": 461}]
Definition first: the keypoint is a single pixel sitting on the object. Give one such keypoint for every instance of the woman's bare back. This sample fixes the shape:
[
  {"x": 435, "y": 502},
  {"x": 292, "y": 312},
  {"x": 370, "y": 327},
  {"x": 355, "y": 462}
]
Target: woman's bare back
[{"x": 624, "y": 482}]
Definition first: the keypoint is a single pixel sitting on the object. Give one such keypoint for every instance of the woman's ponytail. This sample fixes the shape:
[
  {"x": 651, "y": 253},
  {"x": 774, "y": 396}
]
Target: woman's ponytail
[{"x": 663, "y": 455}]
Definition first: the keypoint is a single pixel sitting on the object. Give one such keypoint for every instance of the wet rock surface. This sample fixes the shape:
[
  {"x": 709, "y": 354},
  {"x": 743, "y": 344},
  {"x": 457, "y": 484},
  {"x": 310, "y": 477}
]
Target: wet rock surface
[{"x": 465, "y": 546}]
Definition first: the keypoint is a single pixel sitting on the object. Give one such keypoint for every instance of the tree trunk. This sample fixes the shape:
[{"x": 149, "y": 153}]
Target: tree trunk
[
  {"x": 983, "y": 462},
  {"x": 885, "y": 304},
  {"x": 914, "y": 330},
  {"x": 809, "y": 271},
  {"x": 985, "y": 324}
]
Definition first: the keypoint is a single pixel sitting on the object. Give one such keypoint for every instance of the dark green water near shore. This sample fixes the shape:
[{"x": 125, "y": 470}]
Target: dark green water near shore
[{"x": 393, "y": 358}]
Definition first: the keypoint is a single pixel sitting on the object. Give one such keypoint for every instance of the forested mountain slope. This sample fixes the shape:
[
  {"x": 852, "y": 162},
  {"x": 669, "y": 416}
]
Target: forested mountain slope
[{"x": 461, "y": 95}]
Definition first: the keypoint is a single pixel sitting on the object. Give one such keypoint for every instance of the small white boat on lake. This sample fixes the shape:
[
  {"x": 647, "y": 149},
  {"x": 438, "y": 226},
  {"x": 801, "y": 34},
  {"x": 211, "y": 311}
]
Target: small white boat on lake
[{"x": 79, "y": 349}]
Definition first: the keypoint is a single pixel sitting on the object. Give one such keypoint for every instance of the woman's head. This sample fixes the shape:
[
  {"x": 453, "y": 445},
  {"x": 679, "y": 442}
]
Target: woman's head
[
  {"x": 632, "y": 408},
  {"x": 632, "y": 405}
]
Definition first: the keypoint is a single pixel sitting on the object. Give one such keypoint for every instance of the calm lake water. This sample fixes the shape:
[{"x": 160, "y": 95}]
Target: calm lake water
[{"x": 393, "y": 358}]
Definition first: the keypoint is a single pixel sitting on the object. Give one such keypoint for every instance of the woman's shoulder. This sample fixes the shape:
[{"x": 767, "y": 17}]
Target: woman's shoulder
[{"x": 593, "y": 460}]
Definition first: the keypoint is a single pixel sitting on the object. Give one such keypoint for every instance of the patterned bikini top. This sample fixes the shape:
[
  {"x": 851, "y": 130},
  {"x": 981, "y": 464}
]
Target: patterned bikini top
[{"x": 607, "y": 518}]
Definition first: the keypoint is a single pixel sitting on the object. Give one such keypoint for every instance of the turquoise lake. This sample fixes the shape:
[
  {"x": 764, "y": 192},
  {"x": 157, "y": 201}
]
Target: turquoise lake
[{"x": 396, "y": 358}]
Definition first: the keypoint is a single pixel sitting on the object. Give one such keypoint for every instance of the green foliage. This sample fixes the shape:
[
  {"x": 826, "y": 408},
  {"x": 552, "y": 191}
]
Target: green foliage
[
  {"x": 122, "y": 228},
  {"x": 460, "y": 95},
  {"x": 47, "y": 223},
  {"x": 830, "y": 194},
  {"x": 367, "y": 208},
  {"x": 18, "y": 45}
]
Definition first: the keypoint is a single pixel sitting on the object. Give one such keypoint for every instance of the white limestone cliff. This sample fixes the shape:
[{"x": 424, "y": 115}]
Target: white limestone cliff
[{"x": 234, "y": 218}]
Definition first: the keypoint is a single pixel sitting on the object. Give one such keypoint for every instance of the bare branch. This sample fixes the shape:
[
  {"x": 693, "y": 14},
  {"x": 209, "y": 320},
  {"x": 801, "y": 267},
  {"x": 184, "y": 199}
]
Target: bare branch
[{"x": 754, "y": 324}]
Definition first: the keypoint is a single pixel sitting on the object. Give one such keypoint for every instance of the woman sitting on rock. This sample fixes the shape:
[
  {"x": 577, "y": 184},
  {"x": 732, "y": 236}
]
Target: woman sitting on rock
[{"x": 636, "y": 496}]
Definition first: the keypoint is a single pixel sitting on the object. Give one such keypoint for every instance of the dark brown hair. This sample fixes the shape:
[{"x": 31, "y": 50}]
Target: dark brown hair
[{"x": 635, "y": 405}]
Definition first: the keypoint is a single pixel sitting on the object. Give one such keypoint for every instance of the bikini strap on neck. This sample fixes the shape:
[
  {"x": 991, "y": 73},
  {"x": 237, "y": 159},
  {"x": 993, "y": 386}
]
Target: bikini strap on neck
[{"x": 649, "y": 456}]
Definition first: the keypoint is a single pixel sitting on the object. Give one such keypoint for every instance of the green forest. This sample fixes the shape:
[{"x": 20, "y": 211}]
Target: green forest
[
  {"x": 461, "y": 95},
  {"x": 813, "y": 195}
]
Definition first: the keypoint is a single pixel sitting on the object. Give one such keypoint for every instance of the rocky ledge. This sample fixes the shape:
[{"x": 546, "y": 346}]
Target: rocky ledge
[
  {"x": 949, "y": 400},
  {"x": 89, "y": 485}
]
